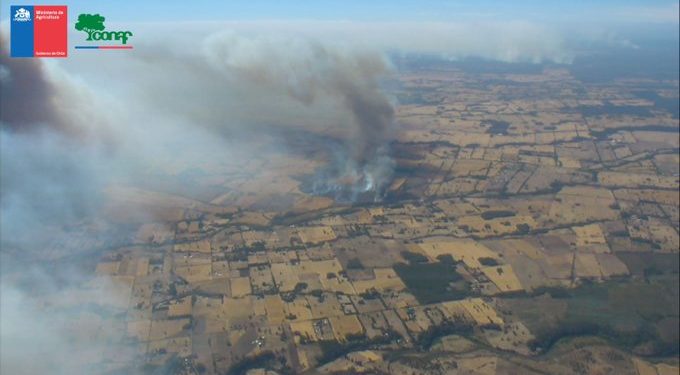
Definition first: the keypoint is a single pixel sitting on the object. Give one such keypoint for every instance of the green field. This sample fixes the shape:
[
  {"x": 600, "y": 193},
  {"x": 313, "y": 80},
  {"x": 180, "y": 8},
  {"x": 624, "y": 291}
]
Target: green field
[
  {"x": 638, "y": 315},
  {"x": 433, "y": 282}
]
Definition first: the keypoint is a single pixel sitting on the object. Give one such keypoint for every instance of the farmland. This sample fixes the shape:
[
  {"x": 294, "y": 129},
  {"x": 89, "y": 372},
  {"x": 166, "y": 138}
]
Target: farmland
[{"x": 525, "y": 216}]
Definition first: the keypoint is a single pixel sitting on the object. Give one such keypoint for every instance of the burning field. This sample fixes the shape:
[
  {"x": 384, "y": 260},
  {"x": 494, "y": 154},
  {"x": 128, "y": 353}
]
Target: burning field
[{"x": 176, "y": 139}]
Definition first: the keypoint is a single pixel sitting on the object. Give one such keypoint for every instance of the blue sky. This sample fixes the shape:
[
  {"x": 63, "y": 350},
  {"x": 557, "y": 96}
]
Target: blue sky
[
  {"x": 622, "y": 11},
  {"x": 510, "y": 31}
]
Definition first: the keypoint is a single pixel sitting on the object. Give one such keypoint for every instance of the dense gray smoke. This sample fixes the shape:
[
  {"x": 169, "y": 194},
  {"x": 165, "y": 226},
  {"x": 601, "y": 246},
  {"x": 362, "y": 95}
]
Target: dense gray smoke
[
  {"x": 238, "y": 87},
  {"x": 245, "y": 87},
  {"x": 27, "y": 97},
  {"x": 47, "y": 167},
  {"x": 68, "y": 132},
  {"x": 310, "y": 72}
]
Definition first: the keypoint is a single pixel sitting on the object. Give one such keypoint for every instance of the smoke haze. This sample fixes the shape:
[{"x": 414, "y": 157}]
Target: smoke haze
[
  {"x": 66, "y": 138},
  {"x": 192, "y": 106}
]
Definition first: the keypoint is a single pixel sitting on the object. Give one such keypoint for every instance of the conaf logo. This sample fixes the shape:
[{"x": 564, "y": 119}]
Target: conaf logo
[
  {"x": 22, "y": 15},
  {"x": 93, "y": 25}
]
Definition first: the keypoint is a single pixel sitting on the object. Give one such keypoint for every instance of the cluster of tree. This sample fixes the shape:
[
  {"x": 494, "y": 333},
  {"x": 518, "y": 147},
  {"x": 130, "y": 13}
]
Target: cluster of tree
[
  {"x": 488, "y": 215},
  {"x": 433, "y": 282},
  {"x": 413, "y": 258},
  {"x": 331, "y": 349},
  {"x": 486, "y": 261},
  {"x": 265, "y": 359},
  {"x": 642, "y": 336},
  {"x": 446, "y": 259},
  {"x": 429, "y": 336},
  {"x": 354, "y": 264},
  {"x": 354, "y": 230},
  {"x": 255, "y": 246},
  {"x": 523, "y": 228}
]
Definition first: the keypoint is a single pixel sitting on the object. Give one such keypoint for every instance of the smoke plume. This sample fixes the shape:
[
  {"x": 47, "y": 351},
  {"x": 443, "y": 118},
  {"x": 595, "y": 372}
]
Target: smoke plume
[
  {"x": 27, "y": 98},
  {"x": 308, "y": 70},
  {"x": 69, "y": 131},
  {"x": 338, "y": 88}
]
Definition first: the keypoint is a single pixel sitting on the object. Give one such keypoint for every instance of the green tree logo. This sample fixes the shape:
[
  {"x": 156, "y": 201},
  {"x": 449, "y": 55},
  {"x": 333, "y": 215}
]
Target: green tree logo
[{"x": 90, "y": 23}]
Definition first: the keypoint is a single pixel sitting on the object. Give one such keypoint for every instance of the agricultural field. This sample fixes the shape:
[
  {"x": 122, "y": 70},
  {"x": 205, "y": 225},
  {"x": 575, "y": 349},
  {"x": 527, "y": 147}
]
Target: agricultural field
[{"x": 527, "y": 228}]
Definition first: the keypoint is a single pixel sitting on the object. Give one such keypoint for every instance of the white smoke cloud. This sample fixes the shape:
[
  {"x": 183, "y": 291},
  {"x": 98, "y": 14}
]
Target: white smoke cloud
[
  {"x": 122, "y": 121},
  {"x": 507, "y": 41},
  {"x": 59, "y": 330},
  {"x": 109, "y": 119}
]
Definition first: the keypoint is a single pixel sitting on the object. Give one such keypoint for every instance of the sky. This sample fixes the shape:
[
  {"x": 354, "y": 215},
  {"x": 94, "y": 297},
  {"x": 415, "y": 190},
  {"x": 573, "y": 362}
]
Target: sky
[
  {"x": 509, "y": 31},
  {"x": 622, "y": 11}
]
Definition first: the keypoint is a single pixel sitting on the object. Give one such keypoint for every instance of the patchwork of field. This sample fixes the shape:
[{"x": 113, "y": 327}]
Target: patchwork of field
[{"x": 522, "y": 218}]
